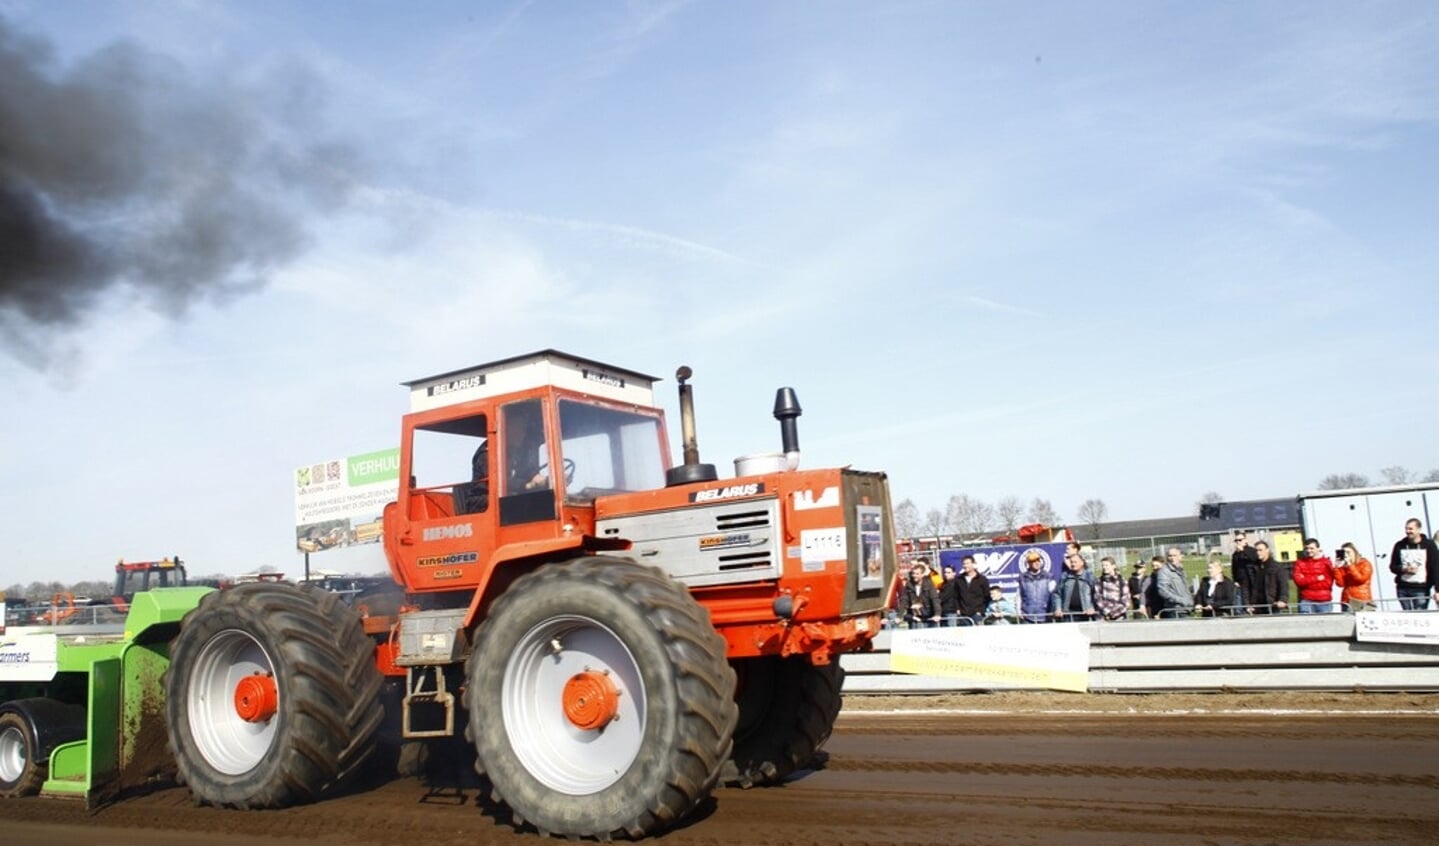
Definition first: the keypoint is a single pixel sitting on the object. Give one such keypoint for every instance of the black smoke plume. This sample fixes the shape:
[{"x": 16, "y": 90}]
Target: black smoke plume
[{"x": 124, "y": 173}]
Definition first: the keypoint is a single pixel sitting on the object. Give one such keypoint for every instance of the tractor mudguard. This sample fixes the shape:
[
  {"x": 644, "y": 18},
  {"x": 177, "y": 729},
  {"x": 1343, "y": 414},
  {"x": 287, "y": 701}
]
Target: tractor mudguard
[{"x": 51, "y": 722}]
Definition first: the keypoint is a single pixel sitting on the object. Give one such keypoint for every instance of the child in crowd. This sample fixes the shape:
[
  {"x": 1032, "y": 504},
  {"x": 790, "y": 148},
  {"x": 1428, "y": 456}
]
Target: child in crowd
[{"x": 1000, "y": 610}]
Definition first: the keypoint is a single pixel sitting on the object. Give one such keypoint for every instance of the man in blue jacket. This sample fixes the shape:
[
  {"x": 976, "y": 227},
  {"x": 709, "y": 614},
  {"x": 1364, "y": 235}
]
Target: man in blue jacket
[
  {"x": 1035, "y": 587},
  {"x": 1073, "y": 598}
]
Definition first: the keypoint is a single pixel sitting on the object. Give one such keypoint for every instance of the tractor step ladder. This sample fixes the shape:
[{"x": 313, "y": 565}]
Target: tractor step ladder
[{"x": 416, "y": 692}]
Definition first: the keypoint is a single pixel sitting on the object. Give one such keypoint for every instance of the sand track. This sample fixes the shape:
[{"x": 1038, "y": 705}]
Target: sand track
[{"x": 1006, "y": 770}]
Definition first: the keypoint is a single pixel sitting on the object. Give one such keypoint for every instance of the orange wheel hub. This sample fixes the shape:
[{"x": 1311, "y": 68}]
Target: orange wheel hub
[
  {"x": 256, "y": 699},
  {"x": 591, "y": 700}
]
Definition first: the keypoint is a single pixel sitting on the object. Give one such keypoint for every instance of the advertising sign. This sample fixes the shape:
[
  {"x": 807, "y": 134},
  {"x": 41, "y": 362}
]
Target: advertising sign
[
  {"x": 1055, "y": 657},
  {"x": 29, "y": 658},
  {"x": 1397, "y": 627},
  {"x": 339, "y": 502},
  {"x": 1002, "y": 564}
]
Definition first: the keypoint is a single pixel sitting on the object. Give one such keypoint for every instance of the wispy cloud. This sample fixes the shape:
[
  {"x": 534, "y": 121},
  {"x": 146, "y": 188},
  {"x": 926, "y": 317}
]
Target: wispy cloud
[
  {"x": 1003, "y": 308},
  {"x": 624, "y": 232},
  {"x": 383, "y": 200},
  {"x": 645, "y": 15}
]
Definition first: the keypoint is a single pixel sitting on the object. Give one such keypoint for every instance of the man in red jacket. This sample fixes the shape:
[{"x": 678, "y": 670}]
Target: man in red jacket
[{"x": 1314, "y": 574}]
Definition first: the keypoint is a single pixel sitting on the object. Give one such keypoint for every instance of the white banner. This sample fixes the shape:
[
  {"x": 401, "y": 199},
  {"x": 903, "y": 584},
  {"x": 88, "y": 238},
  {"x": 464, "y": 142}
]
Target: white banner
[
  {"x": 30, "y": 657},
  {"x": 339, "y": 502},
  {"x": 1397, "y": 627},
  {"x": 1053, "y": 656}
]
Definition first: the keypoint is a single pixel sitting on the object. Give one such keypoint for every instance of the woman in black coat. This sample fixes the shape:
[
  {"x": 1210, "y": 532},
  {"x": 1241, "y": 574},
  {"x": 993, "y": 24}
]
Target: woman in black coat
[{"x": 1216, "y": 596}]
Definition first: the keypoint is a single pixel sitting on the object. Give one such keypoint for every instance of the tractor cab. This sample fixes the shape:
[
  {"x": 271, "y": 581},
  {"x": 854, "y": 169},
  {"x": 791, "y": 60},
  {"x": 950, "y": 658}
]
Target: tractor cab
[
  {"x": 505, "y": 460},
  {"x": 132, "y": 577}
]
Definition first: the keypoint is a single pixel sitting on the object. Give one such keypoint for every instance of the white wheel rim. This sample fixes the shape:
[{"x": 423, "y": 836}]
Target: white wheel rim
[
  {"x": 12, "y": 755},
  {"x": 561, "y": 755},
  {"x": 223, "y": 738}
]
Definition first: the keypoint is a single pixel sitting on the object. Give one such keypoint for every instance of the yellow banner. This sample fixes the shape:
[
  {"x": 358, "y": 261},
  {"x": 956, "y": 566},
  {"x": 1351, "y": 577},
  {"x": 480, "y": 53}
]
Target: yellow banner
[{"x": 1045, "y": 656}]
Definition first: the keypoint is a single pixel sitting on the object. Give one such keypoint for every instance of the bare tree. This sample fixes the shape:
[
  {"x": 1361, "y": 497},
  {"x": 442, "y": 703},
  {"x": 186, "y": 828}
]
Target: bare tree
[
  {"x": 1341, "y": 481},
  {"x": 1396, "y": 474},
  {"x": 969, "y": 516},
  {"x": 94, "y": 590},
  {"x": 1008, "y": 511},
  {"x": 906, "y": 519},
  {"x": 1432, "y": 476},
  {"x": 983, "y": 517},
  {"x": 935, "y": 522},
  {"x": 1092, "y": 513},
  {"x": 1041, "y": 511},
  {"x": 43, "y": 592}
]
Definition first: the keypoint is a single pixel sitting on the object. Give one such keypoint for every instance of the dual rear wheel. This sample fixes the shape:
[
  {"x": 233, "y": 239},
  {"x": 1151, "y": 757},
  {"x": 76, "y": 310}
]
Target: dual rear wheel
[{"x": 272, "y": 696}]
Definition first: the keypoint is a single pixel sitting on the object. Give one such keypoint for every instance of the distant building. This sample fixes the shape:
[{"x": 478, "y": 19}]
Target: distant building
[{"x": 1274, "y": 520}]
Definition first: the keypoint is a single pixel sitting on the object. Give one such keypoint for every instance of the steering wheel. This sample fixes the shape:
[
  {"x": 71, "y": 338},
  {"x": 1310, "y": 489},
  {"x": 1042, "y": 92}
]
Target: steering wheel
[{"x": 566, "y": 464}]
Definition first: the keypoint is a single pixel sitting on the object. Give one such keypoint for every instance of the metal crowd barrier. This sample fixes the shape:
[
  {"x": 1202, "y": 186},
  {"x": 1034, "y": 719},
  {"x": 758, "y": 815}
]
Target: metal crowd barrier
[{"x": 1282, "y": 651}]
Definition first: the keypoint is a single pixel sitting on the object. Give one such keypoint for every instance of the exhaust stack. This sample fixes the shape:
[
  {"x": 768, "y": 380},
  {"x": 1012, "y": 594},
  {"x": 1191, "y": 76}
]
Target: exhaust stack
[
  {"x": 787, "y": 411},
  {"x": 692, "y": 470}
]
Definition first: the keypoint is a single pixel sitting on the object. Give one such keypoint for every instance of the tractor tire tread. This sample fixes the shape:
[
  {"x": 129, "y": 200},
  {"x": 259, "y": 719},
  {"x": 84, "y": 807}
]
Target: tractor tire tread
[
  {"x": 703, "y": 679},
  {"x": 325, "y": 668}
]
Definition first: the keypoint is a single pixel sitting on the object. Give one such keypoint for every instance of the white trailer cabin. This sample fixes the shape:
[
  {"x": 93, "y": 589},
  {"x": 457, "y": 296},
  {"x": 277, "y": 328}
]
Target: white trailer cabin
[{"x": 1373, "y": 520}]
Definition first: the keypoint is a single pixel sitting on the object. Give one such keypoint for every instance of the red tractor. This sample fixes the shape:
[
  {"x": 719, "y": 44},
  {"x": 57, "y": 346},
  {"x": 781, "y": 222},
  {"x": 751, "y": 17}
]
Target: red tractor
[
  {"x": 132, "y": 577},
  {"x": 612, "y": 635}
]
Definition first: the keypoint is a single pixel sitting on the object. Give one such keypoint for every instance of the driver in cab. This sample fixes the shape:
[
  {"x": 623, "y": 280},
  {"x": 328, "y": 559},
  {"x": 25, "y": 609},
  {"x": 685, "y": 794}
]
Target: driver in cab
[
  {"x": 525, "y": 448},
  {"x": 524, "y": 451}
]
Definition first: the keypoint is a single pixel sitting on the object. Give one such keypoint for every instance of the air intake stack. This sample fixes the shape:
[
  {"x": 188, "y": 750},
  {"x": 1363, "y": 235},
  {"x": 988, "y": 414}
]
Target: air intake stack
[{"x": 787, "y": 412}]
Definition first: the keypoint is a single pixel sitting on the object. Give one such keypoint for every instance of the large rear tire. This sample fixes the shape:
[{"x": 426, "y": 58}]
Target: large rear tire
[
  {"x": 787, "y": 710},
  {"x": 600, "y": 701},
  {"x": 272, "y": 696},
  {"x": 21, "y": 771}
]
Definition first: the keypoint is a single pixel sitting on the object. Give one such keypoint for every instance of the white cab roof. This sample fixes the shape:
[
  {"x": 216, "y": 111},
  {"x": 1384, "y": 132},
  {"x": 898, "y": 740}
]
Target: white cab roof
[{"x": 533, "y": 370}]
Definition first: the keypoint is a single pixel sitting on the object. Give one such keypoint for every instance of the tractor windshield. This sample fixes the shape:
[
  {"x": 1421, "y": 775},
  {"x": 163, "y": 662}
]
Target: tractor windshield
[{"x": 607, "y": 450}]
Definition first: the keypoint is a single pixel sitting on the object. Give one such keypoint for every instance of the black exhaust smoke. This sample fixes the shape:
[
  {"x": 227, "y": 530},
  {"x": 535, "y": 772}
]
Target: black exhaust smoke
[{"x": 123, "y": 173}]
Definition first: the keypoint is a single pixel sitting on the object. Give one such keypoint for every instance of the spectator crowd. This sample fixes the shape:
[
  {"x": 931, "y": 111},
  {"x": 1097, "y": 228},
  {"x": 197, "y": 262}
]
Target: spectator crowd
[{"x": 1257, "y": 583}]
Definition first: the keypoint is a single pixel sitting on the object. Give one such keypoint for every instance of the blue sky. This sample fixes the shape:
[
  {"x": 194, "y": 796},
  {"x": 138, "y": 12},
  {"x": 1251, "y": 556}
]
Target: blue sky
[{"x": 1133, "y": 251}]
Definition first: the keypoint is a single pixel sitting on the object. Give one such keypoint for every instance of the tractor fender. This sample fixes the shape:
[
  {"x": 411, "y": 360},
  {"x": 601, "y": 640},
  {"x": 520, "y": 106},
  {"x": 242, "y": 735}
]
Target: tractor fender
[
  {"x": 527, "y": 555},
  {"x": 50, "y": 722}
]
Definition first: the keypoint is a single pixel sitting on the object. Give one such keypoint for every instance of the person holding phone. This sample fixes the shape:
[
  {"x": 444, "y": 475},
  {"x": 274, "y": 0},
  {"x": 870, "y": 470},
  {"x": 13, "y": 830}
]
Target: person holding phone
[{"x": 1353, "y": 573}]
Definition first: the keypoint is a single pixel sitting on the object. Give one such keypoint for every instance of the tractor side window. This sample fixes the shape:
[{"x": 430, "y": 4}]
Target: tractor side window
[
  {"x": 448, "y": 461},
  {"x": 607, "y": 450},
  {"x": 526, "y": 456},
  {"x": 528, "y": 483}
]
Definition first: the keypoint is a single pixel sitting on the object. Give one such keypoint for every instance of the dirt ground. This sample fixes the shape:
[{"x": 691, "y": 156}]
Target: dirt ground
[{"x": 1004, "y": 768}]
